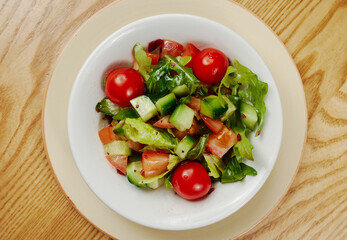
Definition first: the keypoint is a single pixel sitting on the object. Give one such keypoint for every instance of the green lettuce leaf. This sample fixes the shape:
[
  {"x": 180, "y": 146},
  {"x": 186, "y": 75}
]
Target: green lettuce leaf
[
  {"x": 255, "y": 92},
  {"x": 162, "y": 80},
  {"x": 107, "y": 107},
  {"x": 143, "y": 61},
  {"x": 125, "y": 113},
  {"x": 214, "y": 164},
  {"x": 242, "y": 148},
  {"x": 198, "y": 150},
  {"x": 236, "y": 171},
  {"x": 138, "y": 131}
]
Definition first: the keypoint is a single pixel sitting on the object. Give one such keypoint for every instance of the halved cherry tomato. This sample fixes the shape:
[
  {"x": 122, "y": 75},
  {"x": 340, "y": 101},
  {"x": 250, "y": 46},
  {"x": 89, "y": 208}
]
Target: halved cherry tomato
[
  {"x": 171, "y": 48},
  {"x": 154, "y": 44},
  {"x": 154, "y": 57},
  {"x": 119, "y": 162},
  {"x": 191, "y": 51},
  {"x": 154, "y": 163},
  {"x": 191, "y": 131},
  {"x": 210, "y": 65},
  {"x": 124, "y": 84},
  {"x": 220, "y": 143},
  {"x": 190, "y": 180},
  {"x": 164, "y": 123},
  {"x": 215, "y": 125},
  {"x": 135, "y": 145},
  {"x": 107, "y": 135},
  {"x": 194, "y": 103}
]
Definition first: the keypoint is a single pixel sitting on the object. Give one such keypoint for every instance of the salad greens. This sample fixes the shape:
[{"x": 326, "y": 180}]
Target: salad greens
[{"x": 218, "y": 140}]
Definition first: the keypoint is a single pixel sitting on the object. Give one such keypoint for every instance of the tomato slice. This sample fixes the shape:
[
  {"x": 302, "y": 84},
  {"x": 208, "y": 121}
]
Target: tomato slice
[
  {"x": 215, "y": 125},
  {"x": 191, "y": 131},
  {"x": 107, "y": 135},
  {"x": 135, "y": 145},
  {"x": 119, "y": 162},
  {"x": 171, "y": 48},
  {"x": 192, "y": 51},
  {"x": 194, "y": 103},
  {"x": 154, "y": 57},
  {"x": 220, "y": 143},
  {"x": 154, "y": 163},
  {"x": 164, "y": 123}
]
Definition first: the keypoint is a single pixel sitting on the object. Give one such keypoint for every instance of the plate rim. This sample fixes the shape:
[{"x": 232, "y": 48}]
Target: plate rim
[{"x": 99, "y": 12}]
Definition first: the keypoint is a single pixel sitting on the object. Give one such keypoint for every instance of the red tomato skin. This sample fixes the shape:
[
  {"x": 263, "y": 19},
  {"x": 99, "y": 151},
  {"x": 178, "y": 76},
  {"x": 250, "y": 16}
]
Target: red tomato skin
[
  {"x": 154, "y": 163},
  {"x": 214, "y": 125},
  {"x": 210, "y": 65},
  {"x": 107, "y": 135},
  {"x": 191, "y": 51},
  {"x": 194, "y": 103},
  {"x": 164, "y": 123},
  {"x": 220, "y": 143},
  {"x": 190, "y": 180},
  {"x": 154, "y": 44},
  {"x": 171, "y": 48},
  {"x": 124, "y": 84},
  {"x": 154, "y": 57},
  {"x": 119, "y": 162}
]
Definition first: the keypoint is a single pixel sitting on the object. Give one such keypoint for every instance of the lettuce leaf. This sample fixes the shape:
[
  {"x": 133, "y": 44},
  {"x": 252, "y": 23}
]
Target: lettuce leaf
[
  {"x": 198, "y": 150},
  {"x": 107, "y": 107},
  {"x": 125, "y": 113},
  {"x": 214, "y": 164},
  {"x": 255, "y": 92},
  {"x": 138, "y": 131},
  {"x": 242, "y": 148},
  {"x": 162, "y": 80},
  {"x": 236, "y": 171},
  {"x": 143, "y": 61}
]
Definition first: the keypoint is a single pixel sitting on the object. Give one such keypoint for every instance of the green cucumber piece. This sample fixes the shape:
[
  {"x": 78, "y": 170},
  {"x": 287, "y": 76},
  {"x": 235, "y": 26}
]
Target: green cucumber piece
[
  {"x": 156, "y": 183},
  {"x": 182, "y": 117},
  {"x": 213, "y": 107},
  {"x": 181, "y": 91},
  {"x": 117, "y": 147},
  {"x": 184, "y": 146},
  {"x": 166, "y": 104},
  {"x": 248, "y": 115},
  {"x": 144, "y": 107},
  {"x": 231, "y": 109},
  {"x": 134, "y": 174}
]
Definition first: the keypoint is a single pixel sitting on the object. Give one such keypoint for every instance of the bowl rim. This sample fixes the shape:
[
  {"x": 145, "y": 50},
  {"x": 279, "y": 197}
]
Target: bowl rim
[{"x": 101, "y": 46}]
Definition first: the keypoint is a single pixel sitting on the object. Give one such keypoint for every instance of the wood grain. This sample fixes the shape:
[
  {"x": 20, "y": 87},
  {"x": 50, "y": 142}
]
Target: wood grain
[{"x": 34, "y": 33}]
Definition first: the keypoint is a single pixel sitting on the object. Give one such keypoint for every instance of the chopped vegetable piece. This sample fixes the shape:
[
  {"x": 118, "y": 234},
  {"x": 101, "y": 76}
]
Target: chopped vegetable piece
[
  {"x": 182, "y": 117},
  {"x": 119, "y": 162},
  {"x": 117, "y": 147},
  {"x": 107, "y": 135},
  {"x": 154, "y": 163},
  {"x": 164, "y": 123},
  {"x": 214, "y": 164},
  {"x": 144, "y": 107},
  {"x": 135, "y": 145},
  {"x": 194, "y": 103},
  {"x": 213, "y": 107},
  {"x": 184, "y": 146},
  {"x": 215, "y": 125},
  {"x": 220, "y": 143},
  {"x": 166, "y": 104}
]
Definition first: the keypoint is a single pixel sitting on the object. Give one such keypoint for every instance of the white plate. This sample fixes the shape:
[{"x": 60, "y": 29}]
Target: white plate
[{"x": 162, "y": 209}]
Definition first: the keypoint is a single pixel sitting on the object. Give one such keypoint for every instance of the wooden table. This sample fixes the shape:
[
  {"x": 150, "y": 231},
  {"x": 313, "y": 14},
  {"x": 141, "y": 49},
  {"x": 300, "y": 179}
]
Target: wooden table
[{"x": 34, "y": 33}]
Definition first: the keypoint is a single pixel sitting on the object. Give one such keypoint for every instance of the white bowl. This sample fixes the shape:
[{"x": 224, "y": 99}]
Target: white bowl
[{"x": 162, "y": 208}]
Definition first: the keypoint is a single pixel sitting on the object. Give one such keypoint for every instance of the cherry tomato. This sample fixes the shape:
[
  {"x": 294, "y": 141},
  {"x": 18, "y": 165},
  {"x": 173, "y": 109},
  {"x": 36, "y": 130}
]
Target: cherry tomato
[
  {"x": 124, "y": 84},
  {"x": 191, "y": 51},
  {"x": 210, "y": 65},
  {"x": 171, "y": 48},
  {"x": 190, "y": 180}
]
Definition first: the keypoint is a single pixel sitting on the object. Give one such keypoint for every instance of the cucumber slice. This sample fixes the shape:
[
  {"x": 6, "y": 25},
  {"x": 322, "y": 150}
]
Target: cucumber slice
[
  {"x": 213, "y": 107},
  {"x": 182, "y": 117},
  {"x": 117, "y": 147},
  {"x": 166, "y": 104},
  {"x": 248, "y": 115},
  {"x": 156, "y": 183},
  {"x": 181, "y": 91},
  {"x": 134, "y": 174},
  {"x": 231, "y": 109},
  {"x": 184, "y": 146},
  {"x": 144, "y": 107}
]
